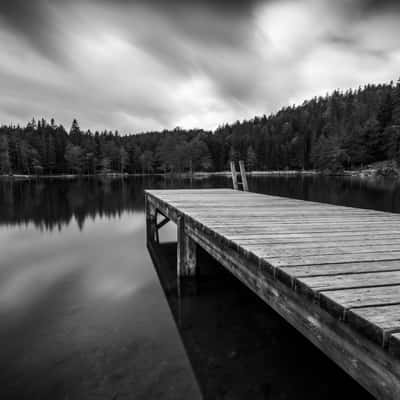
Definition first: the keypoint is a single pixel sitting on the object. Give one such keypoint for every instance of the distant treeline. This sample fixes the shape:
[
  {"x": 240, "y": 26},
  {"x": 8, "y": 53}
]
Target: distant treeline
[{"x": 341, "y": 130}]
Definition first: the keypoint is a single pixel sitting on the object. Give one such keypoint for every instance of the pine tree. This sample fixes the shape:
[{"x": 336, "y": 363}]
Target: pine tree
[
  {"x": 394, "y": 144},
  {"x": 51, "y": 155},
  {"x": 74, "y": 158},
  {"x": 74, "y": 128},
  {"x": 233, "y": 154},
  {"x": 396, "y": 105},
  {"x": 75, "y": 133},
  {"x": 123, "y": 159},
  {"x": 251, "y": 159},
  {"x": 328, "y": 154},
  {"x": 32, "y": 124},
  {"x": 385, "y": 112},
  {"x": 5, "y": 165},
  {"x": 147, "y": 161},
  {"x": 393, "y": 133}
]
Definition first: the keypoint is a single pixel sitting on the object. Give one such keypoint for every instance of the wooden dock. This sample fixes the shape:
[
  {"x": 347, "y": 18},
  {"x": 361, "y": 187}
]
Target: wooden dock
[{"x": 332, "y": 272}]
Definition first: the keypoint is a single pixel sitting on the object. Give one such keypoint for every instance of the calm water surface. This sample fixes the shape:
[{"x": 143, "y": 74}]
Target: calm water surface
[{"x": 86, "y": 314}]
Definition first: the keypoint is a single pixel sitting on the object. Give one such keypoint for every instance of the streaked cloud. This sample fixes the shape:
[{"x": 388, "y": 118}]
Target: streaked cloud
[{"x": 142, "y": 65}]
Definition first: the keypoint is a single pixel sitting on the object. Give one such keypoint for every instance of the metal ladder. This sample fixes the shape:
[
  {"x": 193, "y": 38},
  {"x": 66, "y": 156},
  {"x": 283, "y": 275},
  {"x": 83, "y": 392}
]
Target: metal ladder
[{"x": 243, "y": 181}]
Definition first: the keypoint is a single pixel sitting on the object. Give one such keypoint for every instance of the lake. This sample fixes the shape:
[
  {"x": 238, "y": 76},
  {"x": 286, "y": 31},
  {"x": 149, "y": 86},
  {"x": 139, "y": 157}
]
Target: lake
[{"x": 85, "y": 313}]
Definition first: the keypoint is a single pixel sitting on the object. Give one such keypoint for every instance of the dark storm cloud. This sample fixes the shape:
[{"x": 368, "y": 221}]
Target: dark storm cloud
[
  {"x": 32, "y": 21},
  {"x": 376, "y": 5},
  {"x": 149, "y": 64},
  {"x": 222, "y": 5}
]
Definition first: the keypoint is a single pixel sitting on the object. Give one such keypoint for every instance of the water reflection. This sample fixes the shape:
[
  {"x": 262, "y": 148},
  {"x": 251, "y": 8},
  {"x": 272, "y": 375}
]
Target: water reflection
[
  {"x": 379, "y": 194},
  {"x": 241, "y": 349},
  {"x": 54, "y": 203},
  {"x": 81, "y": 309}
]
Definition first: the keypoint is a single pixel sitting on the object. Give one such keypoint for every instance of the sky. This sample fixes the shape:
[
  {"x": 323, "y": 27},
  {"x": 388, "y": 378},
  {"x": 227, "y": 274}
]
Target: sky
[{"x": 141, "y": 65}]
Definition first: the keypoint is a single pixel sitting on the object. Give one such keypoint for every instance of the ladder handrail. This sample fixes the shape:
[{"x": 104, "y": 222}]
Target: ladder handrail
[
  {"x": 234, "y": 176},
  {"x": 242, "y": 175}
]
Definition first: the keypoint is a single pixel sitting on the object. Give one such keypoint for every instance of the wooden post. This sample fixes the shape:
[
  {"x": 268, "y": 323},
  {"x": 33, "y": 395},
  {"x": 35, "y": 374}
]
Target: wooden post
[
  {"x": 156, "y": 235},
  {"x": 243, "y": 175},
  {"x": 151, "y": 221},
  {"x": 187, "y": 252},
  {"x": 234, "y": 176}
]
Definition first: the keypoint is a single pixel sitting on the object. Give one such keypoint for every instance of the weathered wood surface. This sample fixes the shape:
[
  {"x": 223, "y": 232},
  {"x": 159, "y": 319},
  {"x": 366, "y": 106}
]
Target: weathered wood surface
[
  {"x": 243, "y": 176},
  {"x": 337, "y": 267},
  {"x": 187, "y": 254},
  {"x": 234, "y": 176}
]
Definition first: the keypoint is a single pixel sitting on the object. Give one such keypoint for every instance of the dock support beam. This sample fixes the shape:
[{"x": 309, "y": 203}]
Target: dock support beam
[
  {"x": 187, "y": 252},
  {"x": 151, "y": 222}
]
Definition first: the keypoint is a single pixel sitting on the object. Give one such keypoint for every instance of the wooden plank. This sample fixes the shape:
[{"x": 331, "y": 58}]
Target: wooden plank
[
  {"x": 377, "y": 323},
  {"x": 340, "y": 268},
  {"x": 341, "y": 300},
  {"x": 293, "y": 228},
  {"x": 347, "y": 281},
  {"x": 303, "y": 228},
  {"x": 332, "y": 259},
  {"x": 283, "y": 215},
  {"x": 297, "y": 251},
  {"x": 323, "y": 242},
  {"x": 394, "y": 344},
  {"x": 231, "y": 220},
  {"x": 269, "y": 209},
  {"x": 310, "y": 237}
]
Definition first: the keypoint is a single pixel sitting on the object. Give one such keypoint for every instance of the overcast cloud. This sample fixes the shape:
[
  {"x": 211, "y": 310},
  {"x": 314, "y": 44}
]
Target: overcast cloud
[{"x": 143, "y": 65}]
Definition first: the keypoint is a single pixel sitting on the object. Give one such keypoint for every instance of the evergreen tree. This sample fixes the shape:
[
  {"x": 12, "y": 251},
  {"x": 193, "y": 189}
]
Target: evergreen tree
[
  {"x": 328, "y": 155},
  {"x": 146, "y": 161},
  {"x": 343, "y": 129},
  {"x": 75, "y": 129},
  {"x": 123, "y": 159},
  {"x": 5, "y": 165},
  {"x": 393, "y": 132},
  {"x": 396, "y": 105},
  {"x": 385, "y": 112},
  {"x": 75, "y": 133},
  {"x": 251, "y": 159},
  {"x": 74, "y": 158},
  {"x": 51, "y": 155}
]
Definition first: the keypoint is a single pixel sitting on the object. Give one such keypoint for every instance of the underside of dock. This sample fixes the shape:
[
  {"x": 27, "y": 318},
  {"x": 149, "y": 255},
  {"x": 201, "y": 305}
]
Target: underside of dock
[{"x": 332, "y": 272}]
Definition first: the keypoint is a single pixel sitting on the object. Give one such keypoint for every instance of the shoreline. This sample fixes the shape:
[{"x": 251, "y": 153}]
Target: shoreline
[{"x": 352, "y": 173}]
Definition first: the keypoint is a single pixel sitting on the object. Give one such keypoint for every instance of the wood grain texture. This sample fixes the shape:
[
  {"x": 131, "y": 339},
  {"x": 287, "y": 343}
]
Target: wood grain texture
[
  {"x": 339, "y": 301},
  {"x": 394, "y": 344},
  {"x": 348, "y": 281},
  {"x": 186, "y": 252},
  {"x": 340, "y": 268},
  {"x": 341, "y": 262},
  {"x": 376, "y": 322}
]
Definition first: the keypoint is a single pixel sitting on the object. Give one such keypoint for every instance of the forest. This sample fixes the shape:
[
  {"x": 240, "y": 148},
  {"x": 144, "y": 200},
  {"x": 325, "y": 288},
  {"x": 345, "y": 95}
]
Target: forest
[{"x": 342, "y": 130}]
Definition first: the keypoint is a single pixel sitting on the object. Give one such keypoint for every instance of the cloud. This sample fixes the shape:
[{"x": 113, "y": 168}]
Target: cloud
[{"x": 141, "y": 65}]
